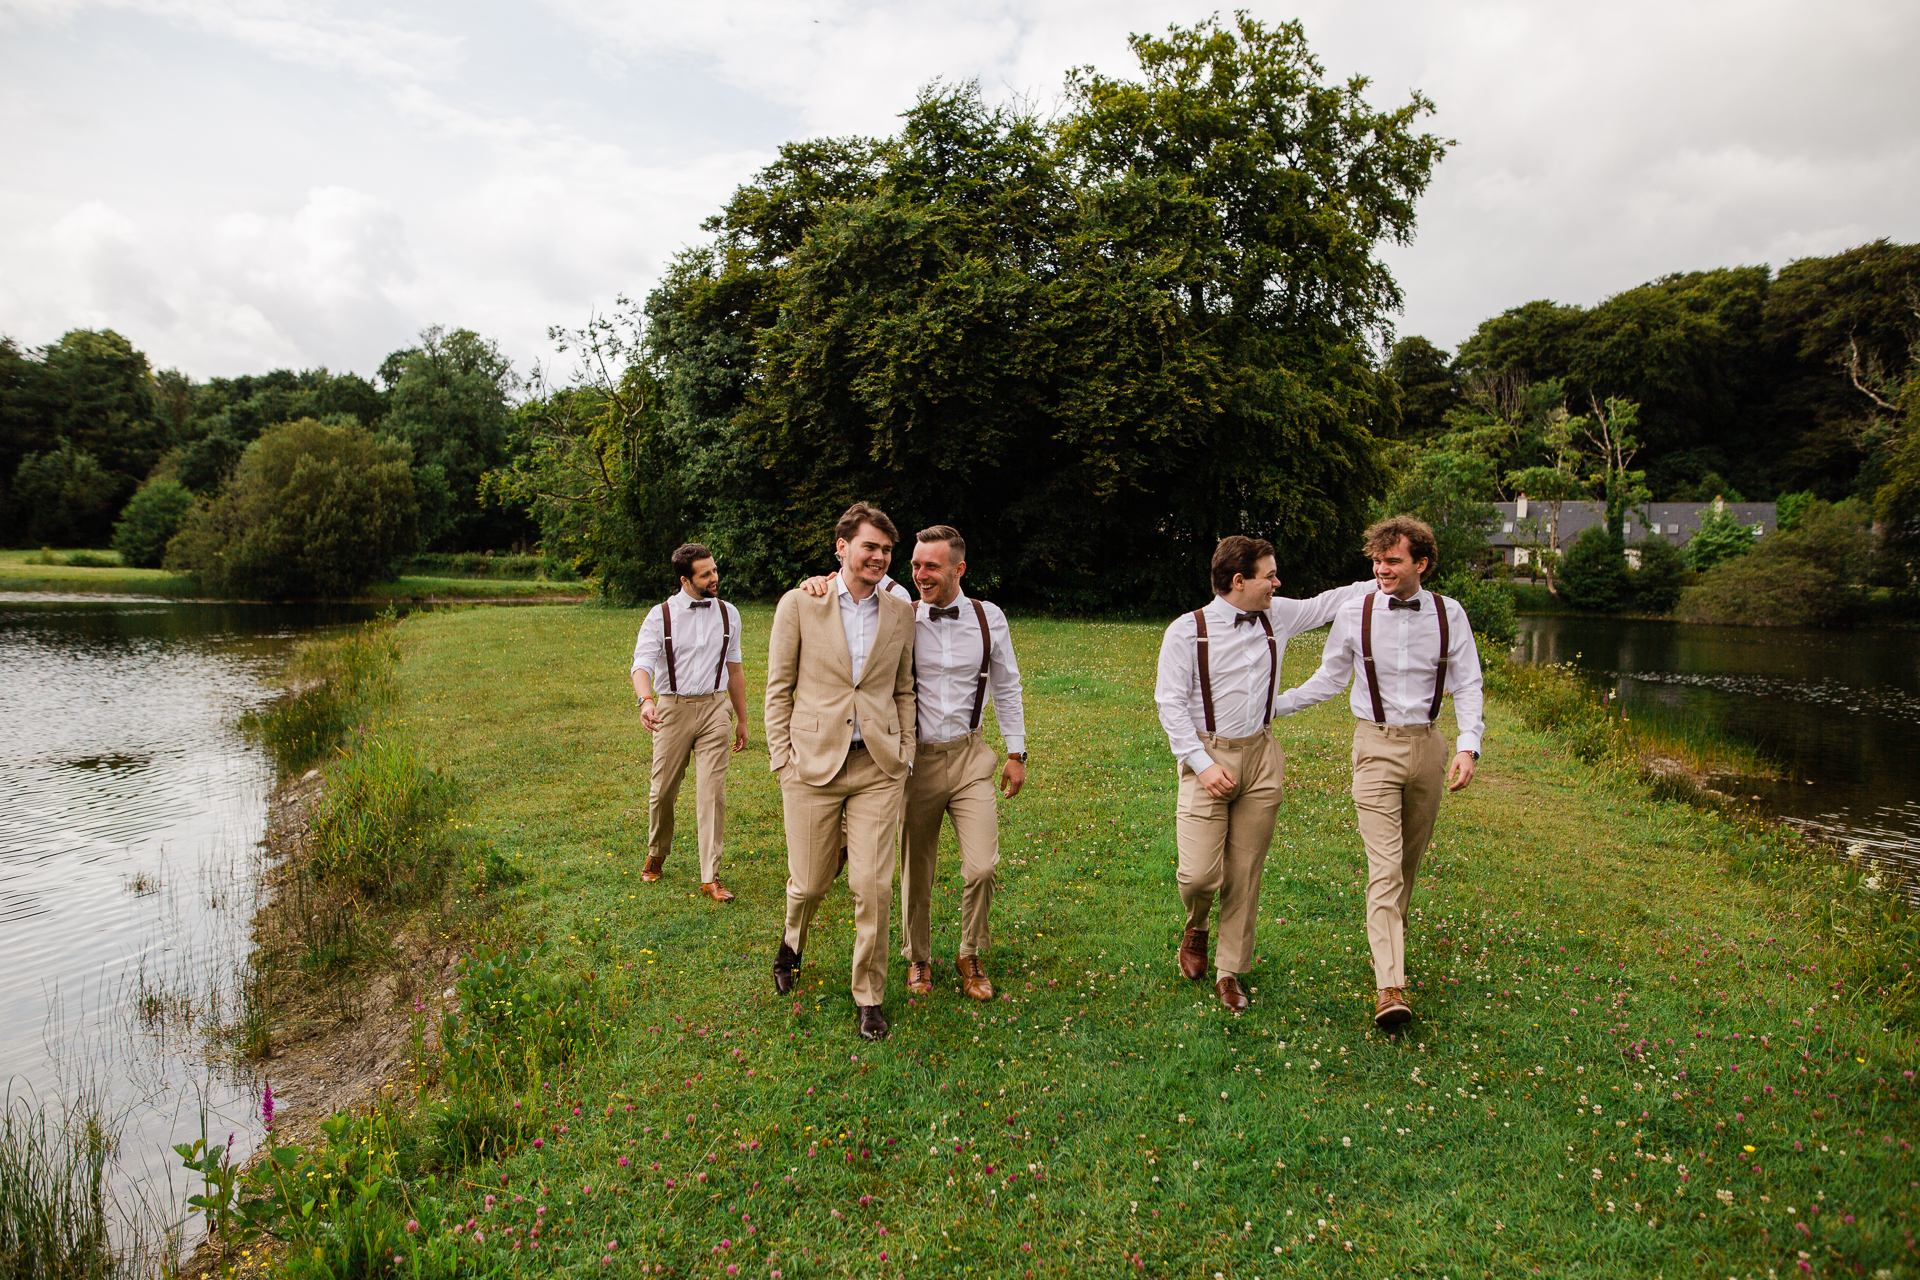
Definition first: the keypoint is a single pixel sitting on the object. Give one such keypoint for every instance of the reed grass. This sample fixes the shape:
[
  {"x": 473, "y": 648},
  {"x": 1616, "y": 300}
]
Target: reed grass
[{"x": 54, "y": 1212}]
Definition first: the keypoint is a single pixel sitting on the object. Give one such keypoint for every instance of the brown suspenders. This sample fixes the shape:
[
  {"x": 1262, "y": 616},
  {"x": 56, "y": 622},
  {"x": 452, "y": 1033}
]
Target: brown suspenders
[
  {"x": 1366, "y": 657},
  {"x": 1206, "y": 675},
  {"x": 726, "y": 638},
  {"x": 986, "y": 657}
]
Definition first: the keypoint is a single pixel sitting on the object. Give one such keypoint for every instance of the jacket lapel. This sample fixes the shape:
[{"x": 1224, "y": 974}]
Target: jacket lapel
[
  {"x": 835, "y": 641},
  {"x": 883, "y": 631}
]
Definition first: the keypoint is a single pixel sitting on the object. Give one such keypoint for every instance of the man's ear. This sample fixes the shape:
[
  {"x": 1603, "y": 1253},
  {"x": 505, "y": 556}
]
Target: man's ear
[{"x": 960, "y": 571}]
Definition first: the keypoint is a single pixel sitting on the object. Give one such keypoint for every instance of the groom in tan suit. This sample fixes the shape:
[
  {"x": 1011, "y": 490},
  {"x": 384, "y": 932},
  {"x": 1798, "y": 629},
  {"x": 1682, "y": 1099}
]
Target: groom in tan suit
[{"x": 840, "y": 736}]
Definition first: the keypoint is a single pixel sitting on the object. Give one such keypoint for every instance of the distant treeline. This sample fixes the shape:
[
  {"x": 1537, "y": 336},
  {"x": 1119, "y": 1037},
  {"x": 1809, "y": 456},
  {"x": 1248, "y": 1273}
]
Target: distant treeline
[{"x": 85, "y": 423}]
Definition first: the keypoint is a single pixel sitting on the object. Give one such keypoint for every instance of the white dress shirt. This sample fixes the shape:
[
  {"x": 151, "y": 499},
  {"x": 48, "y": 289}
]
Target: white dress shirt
[
  {"x": 1237, "y": 668},
  {"x": 860, "y": 619},
  {"x": 696, "y": 645},
  {"x": 946, "y": 673},
  {"x": 1406, "y": 649}
]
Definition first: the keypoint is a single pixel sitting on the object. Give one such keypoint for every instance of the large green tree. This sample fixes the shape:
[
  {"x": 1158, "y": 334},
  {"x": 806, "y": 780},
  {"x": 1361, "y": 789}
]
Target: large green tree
[
  {"x": 1096, "y": 345},
  {"x": 450, "y": 398}
]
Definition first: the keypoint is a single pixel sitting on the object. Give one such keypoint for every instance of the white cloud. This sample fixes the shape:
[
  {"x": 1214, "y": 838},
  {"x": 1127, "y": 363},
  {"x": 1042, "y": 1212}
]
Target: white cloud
[{"x": 238, "y": 183}]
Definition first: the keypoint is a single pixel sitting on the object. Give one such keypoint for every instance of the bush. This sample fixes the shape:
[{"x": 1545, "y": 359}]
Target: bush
[
  {"x": 149, "y": 522},
  {"x": 1489, "y": 606},
  {"x": 67, "y": 496},
  {"x": 313, "y": 509},
  {"x": 1656, "y": 583},
  {"x": 1593, "y": 574},
  {"x": 1720, "y": 537},
  {"x": 1796, "y": 577}
]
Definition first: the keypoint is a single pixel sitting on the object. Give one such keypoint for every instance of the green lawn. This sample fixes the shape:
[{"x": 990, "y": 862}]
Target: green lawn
[
  {"x": 1627, "y": 1060},
  {"x": 17, "y": 573}
]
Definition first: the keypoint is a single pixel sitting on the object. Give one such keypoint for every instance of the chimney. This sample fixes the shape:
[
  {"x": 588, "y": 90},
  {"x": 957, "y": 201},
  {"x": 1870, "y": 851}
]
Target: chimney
[{"x": 1520, "y": 508}]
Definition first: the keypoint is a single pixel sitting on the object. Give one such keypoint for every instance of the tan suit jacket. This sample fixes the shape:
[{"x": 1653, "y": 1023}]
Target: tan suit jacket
[{"x": 812, "y": 698}]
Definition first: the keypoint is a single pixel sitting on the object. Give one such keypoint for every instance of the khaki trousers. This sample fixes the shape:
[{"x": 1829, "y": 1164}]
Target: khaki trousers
[
  {"x": 949, "y": 779},
  {"x": 697, "y": 728},
  {"x": 1399, "y": 773},
  {"x": 871, "y": 803},
  {"x": 1223, "y": 843}
]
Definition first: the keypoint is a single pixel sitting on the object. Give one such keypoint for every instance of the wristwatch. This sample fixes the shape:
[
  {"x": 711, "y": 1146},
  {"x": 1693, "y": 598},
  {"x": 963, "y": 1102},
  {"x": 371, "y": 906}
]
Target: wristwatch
[{"x": 1021, "y": 756}]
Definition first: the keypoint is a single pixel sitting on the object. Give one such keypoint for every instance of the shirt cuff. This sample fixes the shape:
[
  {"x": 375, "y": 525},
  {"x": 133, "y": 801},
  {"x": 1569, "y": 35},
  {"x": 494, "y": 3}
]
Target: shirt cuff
[
  {"x": 1467, "y": 742},
  {"x": 1200, "y": 762},
  {"x": 1016, "y": 743},
  {"x": 1283, "y": 704}
]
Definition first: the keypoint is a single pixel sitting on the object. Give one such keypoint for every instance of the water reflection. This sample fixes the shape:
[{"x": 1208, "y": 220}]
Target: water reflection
[
  {"x": 129, "y": 817},
  {"x": 1832, "y": 709}
]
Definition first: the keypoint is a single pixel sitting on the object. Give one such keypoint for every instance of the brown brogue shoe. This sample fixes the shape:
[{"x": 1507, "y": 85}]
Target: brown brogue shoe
[
  {"x": 973, "y": 978},
  {"x": 656, "y": 863},
  {"x": 786, "y": 962},
  {"x": 1390, "y": 1008},
  {"x": 1231, "y": 993},
  {"x": 1193, "y": 954},
  {"x": 717, "y": 891},
  {"x": 920, "y": 977},
  {"x": 873, "y": 1025}
]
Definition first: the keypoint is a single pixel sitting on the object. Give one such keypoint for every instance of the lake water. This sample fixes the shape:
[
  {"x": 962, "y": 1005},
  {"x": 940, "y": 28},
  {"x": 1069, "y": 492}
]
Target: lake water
[
  {"x": 129, "y": 868},
  {"x": 1833, "y": 710}
]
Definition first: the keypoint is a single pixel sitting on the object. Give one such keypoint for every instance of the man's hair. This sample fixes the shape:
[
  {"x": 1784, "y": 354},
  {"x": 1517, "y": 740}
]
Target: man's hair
[
  {"x": 1384, "y": 535},
  {"x": 864, "y": 513},
  {"x": 1237, "y": 553},
  {"x": 688, "y": 554},
  {"x": 948, "y": 534}
]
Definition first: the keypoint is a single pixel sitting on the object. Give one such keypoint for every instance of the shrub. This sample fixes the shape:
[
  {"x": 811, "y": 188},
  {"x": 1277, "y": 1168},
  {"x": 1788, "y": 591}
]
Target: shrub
[
  {"x": 1489, "y": 606},
  {"x": 313, "y": 509},
  {"x": 1656, "y": 583},
  {"x": 1593, "y": 575},
  {"x": 1796, "y": 577},
  {"x": 1720, "y": 537},
  {"x": 149, "y": 522}
]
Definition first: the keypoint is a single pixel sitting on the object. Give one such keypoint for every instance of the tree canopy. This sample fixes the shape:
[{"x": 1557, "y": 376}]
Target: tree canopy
[{"x": 1096, "y": 343}]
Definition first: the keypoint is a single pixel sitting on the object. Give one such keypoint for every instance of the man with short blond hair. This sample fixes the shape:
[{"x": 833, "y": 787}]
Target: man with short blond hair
[
  {"x": 840, "y": 736},
  {"x": 690, "y": 646},
  {"x": 1409, "y": 647},
  {"x": 1219, "y": 669}
]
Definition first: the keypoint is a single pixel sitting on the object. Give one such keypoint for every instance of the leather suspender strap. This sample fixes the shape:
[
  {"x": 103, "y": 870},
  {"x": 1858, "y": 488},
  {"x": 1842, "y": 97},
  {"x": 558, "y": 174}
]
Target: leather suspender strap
[
  {"x": 1273, "y": 669},
  {"x": 1200, "y": 658},
  {"x": 726, "y": 639},
  {"x": 986, "y": 657},
  {"x": 666, "y": 624},
  {"x": 1366, "y": 657},
  {"x": 1440, "y": 668}
]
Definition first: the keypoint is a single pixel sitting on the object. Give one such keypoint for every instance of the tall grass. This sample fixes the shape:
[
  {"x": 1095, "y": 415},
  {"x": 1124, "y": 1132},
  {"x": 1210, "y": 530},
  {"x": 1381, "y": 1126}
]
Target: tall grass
[
  {"x": 53, "y": 1199},
  {"x": 332, "y": 685},
  {"x": 376, "y": 828}
]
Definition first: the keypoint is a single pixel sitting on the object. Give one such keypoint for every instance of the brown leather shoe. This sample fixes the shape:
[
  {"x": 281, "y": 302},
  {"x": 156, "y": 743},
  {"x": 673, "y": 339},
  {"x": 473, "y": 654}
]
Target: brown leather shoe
[
  {"x": 1390, "y": 1008},
  {"x": 717, "y": 891},
  {"x": 786, "y": 962},
  {"x": 973, "y": 978},
  {"x": 1193, "y": 954},
  {"x": 873, "y": 1026},
  {"x": 920, "y": 977},
  {"x": 1231, "y": 993},
  {"x": 656, "y": 862}
]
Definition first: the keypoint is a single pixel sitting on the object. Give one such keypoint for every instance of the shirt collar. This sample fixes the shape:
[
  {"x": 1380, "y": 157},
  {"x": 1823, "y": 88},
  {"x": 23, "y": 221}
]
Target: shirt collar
[
  {"x": 1224, "y": 609},
  {"x": 687, "y": 598},
  {"x": 873, "y": 597},
  {"x": 1422, "y": 595},
  {"x": 960, "y": 598}
]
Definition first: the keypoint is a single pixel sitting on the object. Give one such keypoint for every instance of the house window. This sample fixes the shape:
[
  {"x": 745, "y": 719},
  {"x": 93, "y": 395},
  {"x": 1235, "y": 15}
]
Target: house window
[
  {"x": 1673, "y": 528},
  {"x": 1627, "y": 529},
  {"x": 1520, "y": 556},
  {"x": 1507, "y": 527}
]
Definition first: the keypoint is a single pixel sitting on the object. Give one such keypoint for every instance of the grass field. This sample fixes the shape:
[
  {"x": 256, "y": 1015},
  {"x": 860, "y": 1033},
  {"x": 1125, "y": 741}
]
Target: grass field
[
  {"x": 1628, "y": 1060},
  {"x": 21, "y": 571}
]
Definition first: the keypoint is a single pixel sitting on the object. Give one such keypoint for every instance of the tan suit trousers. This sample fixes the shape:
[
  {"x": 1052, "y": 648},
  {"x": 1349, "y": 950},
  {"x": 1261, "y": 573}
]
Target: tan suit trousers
[
  {"x": 697, "y": 728},
  {"x": 1399, "y": 773},
  {"x": 871, "y": 802},
  {"x": 949, "y": 779},
  {"x": 1223, "y": 843}
]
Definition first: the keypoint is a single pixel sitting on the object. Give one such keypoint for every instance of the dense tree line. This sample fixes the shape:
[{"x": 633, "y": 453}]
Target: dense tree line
[
  {"x": 97, "y": 448},
  {"x": 1096, "y": 343}
]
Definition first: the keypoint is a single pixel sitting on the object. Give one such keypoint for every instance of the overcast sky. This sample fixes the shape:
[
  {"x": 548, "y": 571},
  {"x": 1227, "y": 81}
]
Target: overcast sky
[{"x": 238, "y": 185}]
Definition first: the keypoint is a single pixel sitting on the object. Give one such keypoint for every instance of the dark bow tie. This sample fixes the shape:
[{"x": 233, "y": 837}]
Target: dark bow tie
[
  {"x": 1395, "y": 602},
  {"x": 1239, "y": 618},
  {"x": 953, "y": 612},
  {"x": 698, "y": 604}
]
